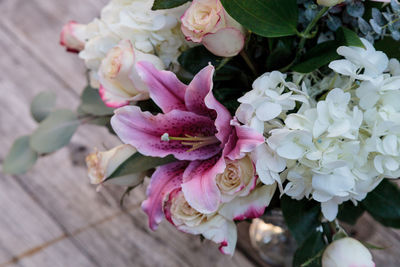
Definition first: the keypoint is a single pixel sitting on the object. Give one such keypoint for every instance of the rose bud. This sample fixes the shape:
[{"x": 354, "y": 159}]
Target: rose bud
[
  {"x": 207, "y": 22},
  {"x": 329, "y": 3},
  {"x": 347, "y": 252},
  {"x": 73, "y": 36},
  {"x": 102, "y": 164},
  {"x": 119, "y": 80}
]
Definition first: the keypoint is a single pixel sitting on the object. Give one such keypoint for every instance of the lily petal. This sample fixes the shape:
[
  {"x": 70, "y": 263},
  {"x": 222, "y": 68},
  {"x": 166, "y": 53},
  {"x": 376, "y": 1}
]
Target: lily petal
[
  {"x": 144, "y": 131},
  {"x": 199, "y": 185},
  {"x": 165, "y": 88},
  {"x": 164, "y": 180},
  {"x": 244, "y": 140},
  {"x": 197, "y": 90},
  {"x": 222, "y": 121}
]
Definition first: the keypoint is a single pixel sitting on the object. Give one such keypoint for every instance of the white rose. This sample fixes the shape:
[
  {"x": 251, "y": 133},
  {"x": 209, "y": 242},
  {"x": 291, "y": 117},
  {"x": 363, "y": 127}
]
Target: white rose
[
  {"x": 347, "y": 252},
  {"x": 119, "y": 80},
  {"x": 102, "y": 164}
]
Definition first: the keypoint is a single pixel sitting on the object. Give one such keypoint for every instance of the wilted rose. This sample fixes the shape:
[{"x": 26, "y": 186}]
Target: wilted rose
[
  {"x": 119, "y": 79},
  {"x": 347, "y": 252},
  {"x": 207, "y": 22},
  {"x": 102, "y": 164},
  {"x": 73, "y": 36}
]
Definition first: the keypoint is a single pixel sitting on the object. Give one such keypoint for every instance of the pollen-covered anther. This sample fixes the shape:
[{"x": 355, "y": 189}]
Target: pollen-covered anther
[{"x": 195, "y": 142}]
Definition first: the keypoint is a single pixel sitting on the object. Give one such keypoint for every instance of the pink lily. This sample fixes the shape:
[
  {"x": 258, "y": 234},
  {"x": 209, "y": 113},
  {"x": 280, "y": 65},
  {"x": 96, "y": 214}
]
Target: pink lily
[{"x": 195, "y": 128}]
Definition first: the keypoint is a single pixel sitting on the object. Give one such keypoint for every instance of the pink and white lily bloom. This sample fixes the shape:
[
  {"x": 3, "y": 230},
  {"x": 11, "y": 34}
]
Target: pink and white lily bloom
[
  {"x": 198, "y": 131},
  {"x": 73, "y": 36},
  {"x": 207, "y": 22}
]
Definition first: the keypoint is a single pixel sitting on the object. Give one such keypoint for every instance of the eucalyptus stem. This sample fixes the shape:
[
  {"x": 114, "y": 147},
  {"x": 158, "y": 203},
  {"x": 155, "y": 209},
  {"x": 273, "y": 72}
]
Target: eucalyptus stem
[
  {"x": 304, "y": 36},
  {"x": 248, "y": 62}
]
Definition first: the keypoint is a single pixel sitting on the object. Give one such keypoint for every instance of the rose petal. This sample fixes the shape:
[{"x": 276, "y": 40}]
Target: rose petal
[
  {"x": 226, "y": 42},
  {"x": 251, "y": 206}
]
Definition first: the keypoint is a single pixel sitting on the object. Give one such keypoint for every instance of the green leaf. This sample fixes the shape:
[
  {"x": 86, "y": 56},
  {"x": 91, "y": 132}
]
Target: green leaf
[
  {"x": 384, "y": 204},
  {"x": 268, "y": 18},
  {"x": 349, "y": 213},
  {"x": 20, "y": 158},
  {"x": 324, "y": 53},
  {"x": 389, "y": 46},
  {"x": 317, "y": 57},
  {"x": 196, "y": 58},
  {"x": 42, "y": 105},
  {"x": 301, "y": 217},
  {"x": 166, "y": 4},
  {"x": 139, "y": 163},
  {"x": 91, "y": 103},
  {"x": 55, "y": 131},
  {"x": 348, "y": 37},
  {"x": 310, "y": 252}
]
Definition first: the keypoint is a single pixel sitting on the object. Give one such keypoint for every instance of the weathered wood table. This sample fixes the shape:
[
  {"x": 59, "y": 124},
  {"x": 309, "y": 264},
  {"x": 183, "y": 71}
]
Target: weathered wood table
[{"x": 52, "y": 216}]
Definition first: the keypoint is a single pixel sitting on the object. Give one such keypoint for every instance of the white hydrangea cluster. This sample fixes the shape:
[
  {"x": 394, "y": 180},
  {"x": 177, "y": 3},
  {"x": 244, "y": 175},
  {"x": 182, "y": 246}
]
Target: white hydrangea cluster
[
  {"x": 151, "y": 32},
  {"x": 338, "y": 148}
]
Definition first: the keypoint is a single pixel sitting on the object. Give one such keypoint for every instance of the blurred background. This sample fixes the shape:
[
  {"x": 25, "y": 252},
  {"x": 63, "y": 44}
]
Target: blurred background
[{"x": 52, "y": 216}]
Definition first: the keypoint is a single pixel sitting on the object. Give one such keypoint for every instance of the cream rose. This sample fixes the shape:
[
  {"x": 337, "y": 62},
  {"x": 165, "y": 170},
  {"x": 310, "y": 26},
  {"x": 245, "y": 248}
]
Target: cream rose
[
  {"x": 238, "y": 179},
  {"x": 102, "y": 164},
  {"x": 119, "y": 80},
  {"x": 347, "y": 252},
  {"x": 73, "y": 36},
  {"x": 212, "y": 226},
  {"x": 207, "y": 22}
]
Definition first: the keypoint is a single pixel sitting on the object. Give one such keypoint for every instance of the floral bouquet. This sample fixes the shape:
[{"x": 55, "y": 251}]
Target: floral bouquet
[{"x": 234, "y": 108}]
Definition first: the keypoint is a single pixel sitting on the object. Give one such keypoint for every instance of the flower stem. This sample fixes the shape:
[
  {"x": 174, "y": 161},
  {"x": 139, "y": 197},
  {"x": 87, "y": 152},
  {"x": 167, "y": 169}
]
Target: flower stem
[
  {"x": 248, "y": 62},
  {"x": 304, "y": 36}
]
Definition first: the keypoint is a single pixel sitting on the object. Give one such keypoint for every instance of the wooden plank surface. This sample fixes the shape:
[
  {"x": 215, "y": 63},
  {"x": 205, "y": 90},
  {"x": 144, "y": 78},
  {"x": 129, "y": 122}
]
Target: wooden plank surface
[{"x": 52, "y": 216}]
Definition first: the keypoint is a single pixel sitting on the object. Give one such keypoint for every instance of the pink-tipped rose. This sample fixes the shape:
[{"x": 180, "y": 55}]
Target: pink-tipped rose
[
  {"x": 73, "y": 36},
  {"x": 119, "y": 80},
  {"x": 207, "y": 22}
]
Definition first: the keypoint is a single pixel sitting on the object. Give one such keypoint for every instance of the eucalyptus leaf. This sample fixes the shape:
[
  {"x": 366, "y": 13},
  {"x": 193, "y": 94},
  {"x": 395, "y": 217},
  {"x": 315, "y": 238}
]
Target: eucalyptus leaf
[
  {"x": 20, "y": 158},
  {"x": 138, "y": 163},
  {"x": 42, "y": 105},
  {"x": 166, "y": 4},
  {"x": 91, "y": 103},
  {"x": 310, "y": 252},
  {"x": 55, "y": 131},
  {"x": 300, "y": 217},
  {"x": 383, "y": 208},
  {"x": 268, "y": 18}
]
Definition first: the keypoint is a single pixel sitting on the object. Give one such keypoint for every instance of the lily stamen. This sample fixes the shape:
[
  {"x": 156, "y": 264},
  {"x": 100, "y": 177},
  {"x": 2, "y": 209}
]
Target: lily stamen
[{"x": 195, "y": 142}]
